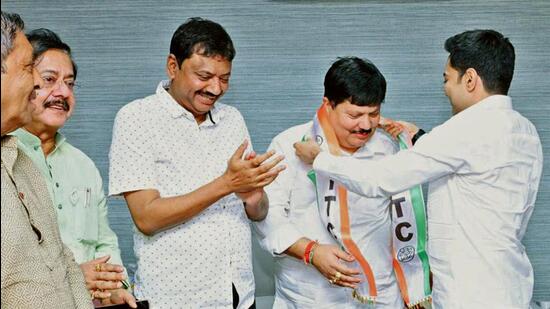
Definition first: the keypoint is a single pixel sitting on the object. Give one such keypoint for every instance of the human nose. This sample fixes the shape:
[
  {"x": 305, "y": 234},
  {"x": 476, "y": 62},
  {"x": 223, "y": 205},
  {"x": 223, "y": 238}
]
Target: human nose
[
  {"x": 366, "y": 122},
  {"x": 61, "y": 89},
  {"x": 215, "y": 86}
]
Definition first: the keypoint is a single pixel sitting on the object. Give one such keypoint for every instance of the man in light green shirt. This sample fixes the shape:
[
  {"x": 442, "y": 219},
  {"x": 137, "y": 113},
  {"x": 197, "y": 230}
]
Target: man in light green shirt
[{"x": 73, "y": 181}]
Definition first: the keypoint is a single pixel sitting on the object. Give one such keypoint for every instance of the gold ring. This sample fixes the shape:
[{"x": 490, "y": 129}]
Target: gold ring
[
  {"x": 337, "y": 276},
  {"x": 92, "y": 294},
  {"x": 97, "y": 267},
  {"x": 332, "y": 281}
]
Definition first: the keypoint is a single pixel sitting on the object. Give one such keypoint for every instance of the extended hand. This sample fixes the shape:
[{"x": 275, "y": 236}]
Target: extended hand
[
  {"x": 394, "y": 128},
  {"x": 248, "y": 175},
  {"x": 326, "y": 259},
  {"x": 307, "y": 151},
  {"x": 101, "y": 276}
]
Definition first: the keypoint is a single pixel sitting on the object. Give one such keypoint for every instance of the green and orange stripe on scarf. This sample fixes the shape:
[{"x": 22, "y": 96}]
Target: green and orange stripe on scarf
[{"x": 410, "y": 260}]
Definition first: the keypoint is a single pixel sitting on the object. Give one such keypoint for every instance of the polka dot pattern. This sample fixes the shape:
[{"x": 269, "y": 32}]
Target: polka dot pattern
[{"x": 157, "y": 144}]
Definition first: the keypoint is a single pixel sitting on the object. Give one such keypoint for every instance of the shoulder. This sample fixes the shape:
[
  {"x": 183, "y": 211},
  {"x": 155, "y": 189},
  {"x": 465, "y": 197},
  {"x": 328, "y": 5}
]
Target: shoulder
[
  {"x": 383, "y": 143},
  {"x": 71, "y": 153},
  {"x": 293, "y": 134},
  {"x": 229, "y": 112},
  {"x": 138, "y": 108}
]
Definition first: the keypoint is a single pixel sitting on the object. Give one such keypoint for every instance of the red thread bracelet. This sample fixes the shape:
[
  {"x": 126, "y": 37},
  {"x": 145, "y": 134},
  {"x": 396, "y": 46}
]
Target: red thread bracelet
[{"x": 308, "y": 251}]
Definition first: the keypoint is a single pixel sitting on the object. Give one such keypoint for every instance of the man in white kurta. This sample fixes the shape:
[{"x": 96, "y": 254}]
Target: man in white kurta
[
  {"x": 294, "y": 213},
  {"x": 483, "y": 167}
]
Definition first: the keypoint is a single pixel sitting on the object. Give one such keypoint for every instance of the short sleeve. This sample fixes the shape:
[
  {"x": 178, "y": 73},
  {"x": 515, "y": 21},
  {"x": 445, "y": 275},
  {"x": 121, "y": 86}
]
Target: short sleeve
[{"x": 131, "y": 158}]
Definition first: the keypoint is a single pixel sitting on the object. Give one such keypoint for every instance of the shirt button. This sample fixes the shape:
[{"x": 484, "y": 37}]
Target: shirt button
[
  {"x": 57, "y": 184},
  {"x": 59, "y": 206},
  {"x": 22, "y": 195},
  {"x": 36, "y": 147}
]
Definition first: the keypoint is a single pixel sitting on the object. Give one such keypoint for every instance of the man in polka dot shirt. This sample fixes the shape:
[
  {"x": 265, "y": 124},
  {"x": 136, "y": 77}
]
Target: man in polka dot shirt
[{"x": 179, "y": 160}]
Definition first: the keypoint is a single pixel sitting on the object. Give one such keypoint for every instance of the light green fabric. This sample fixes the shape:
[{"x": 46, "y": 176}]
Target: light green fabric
[{"x": 76, "y": 189}]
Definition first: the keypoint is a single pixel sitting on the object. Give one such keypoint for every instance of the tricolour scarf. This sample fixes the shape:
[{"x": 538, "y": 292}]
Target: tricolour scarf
[{"x": 410, "y": 260}]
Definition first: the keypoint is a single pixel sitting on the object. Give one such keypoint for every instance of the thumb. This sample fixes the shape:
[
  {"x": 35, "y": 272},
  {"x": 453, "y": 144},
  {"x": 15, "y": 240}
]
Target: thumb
[
  {"x": 240, "y": 151},
  {"x": 345, "y": 256}
]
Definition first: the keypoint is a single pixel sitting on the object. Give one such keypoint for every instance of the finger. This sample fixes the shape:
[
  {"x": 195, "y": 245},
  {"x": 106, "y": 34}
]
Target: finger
[
  {"x": 270, "y": 178},
  {"x": 108, "y": 285},
  {"x": 129, "y": 299},
  {"x": 344, "y": 255},
  {"x": 107, "y": 267},
  {"x": 240, "y": 151},
  {"x": 251, "y": 155},
  {"x": 102, "y": 294},
  {"x": 348, "y": 279},
  {"x": 346, "y": 284},
  {"x": 348, "y": 271},
  {"x": 258, "y": 160},
  {"x": 264, "y": 168},
  {"x": 109, "y": 276}
]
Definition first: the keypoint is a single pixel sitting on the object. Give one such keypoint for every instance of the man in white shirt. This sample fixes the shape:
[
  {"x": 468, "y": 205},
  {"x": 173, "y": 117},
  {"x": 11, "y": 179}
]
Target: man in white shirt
[
  {"x": 354, "y": 92},
  {"x": 173, "y": 158},
  {"x": 483, "y": 167}
]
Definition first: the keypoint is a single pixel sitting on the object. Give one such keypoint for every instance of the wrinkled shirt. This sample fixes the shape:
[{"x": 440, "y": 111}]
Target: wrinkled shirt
[
  {"x": 38, "y": 270},
  {"x": 76, "y": 189},
  {"x": 157, "y": 144},
  {"x": 294, "y": 213},
  {"x": 483, "y": 166}
]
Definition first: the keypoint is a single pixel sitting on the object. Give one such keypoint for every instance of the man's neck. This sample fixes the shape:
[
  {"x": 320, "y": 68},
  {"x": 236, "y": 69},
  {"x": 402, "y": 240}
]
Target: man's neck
[{"x": 46, "y": 136}]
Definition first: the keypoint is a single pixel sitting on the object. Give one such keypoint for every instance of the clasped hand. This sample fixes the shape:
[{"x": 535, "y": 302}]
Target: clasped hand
[{"x": 253, "y": 172}]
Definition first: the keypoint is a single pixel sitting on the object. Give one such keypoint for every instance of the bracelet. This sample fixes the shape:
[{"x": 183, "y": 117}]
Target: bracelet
[
  {"x": 308, "y": 251},
  {"x": 310, "y": 260}
]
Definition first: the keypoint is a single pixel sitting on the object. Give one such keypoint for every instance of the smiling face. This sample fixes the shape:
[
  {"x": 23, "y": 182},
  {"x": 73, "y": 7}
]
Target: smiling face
[
  {"x": 55, "y": 102},
  {"x": 354, "y": 125},
  {"x": 199, "y": 83},
  {"x": 18, "y": 83}
]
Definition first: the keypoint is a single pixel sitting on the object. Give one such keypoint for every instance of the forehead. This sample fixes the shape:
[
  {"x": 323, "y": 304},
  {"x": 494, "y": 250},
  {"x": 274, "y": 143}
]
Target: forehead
[
  {"x": 55, "y": 61},
  {"x": 449, "y": 70},
  {"x": 217, "y": 64},
  {"x": 348, "y": 107}
]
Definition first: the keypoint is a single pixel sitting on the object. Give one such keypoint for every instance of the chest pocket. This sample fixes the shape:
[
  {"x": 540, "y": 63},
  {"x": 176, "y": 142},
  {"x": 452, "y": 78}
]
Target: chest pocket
[{"x": 84, "y": 213}]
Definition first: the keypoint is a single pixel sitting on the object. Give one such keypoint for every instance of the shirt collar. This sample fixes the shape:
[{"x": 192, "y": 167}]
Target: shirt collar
[
  {"x": 496, "y": 101},
  {"x": 9, "y": 152},
  {"x": 374, "y": 145},
  {"x": 30, "y": 140},
  {"x": 176, "y": 110}
]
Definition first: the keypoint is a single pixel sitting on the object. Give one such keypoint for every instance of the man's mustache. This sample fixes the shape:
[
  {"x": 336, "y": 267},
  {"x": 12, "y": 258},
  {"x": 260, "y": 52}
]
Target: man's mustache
[
  {"x": 208, "y": 94},
  {"x": 362, "y": 131},
  {"x": 63, "y": 103}
]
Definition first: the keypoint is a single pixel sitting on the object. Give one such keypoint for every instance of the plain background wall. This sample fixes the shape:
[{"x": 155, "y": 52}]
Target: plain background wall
[{"x": 283, "y": 51}]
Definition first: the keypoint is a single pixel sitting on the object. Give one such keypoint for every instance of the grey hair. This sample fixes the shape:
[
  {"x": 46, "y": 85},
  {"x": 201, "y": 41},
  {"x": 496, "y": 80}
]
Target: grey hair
[{"x": 11, "y": 24}]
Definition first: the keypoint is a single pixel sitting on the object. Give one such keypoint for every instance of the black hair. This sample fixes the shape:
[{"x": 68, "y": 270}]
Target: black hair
[
  {"x": 201, "y": 36},
  {"x": 355, "y": 79},
  {"x": 43, "y": 40},
  {"x": 486, "y": 51}
]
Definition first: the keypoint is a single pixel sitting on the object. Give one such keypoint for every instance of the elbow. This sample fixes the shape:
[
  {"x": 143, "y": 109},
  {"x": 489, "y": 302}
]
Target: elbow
[{"x": 145, "y": 227}]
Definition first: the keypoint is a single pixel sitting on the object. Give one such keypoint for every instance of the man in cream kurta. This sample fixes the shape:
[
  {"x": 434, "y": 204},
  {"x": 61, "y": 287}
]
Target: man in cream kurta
[
  {"x": 38, "y": 270},
  {"x": 483, "y": 167}
]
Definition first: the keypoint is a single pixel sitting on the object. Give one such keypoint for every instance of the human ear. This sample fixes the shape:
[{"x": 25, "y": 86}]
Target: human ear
[
  {"x": 171, "y": 66},
  {"x": 470, "y": 78}
]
